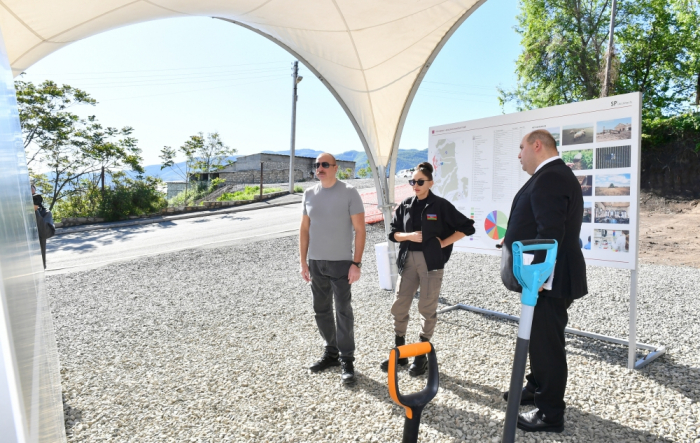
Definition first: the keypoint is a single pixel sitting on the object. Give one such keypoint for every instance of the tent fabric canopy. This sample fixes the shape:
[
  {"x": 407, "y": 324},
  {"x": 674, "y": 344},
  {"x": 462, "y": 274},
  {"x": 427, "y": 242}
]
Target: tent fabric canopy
[{"x": 371, "y": 54}]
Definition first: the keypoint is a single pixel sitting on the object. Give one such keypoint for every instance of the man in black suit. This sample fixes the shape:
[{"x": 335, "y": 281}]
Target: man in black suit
[{"x": 548, "y": 206}]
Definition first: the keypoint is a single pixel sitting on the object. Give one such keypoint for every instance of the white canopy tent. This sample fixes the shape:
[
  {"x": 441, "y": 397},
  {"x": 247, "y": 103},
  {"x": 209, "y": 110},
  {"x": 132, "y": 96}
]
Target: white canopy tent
[{"x": 370, "y": 54}]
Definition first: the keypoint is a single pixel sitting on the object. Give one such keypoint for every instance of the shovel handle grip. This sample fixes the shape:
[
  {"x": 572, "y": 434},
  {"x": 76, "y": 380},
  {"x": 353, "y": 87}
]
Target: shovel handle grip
[
  {"x": 414, "y": 349},
  {"x": 537, "y": 244}
]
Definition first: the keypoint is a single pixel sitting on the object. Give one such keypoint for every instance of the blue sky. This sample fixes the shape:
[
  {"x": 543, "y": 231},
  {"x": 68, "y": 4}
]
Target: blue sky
[
  {"x": 620, "y": 180},
  {"x": 170, "y": 79}
]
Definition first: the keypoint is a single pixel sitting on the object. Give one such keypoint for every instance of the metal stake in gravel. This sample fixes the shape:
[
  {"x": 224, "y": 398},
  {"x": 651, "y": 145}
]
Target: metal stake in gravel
[
  {"x": 413, "y": 403},
  {"x": 531, "y": 278}
]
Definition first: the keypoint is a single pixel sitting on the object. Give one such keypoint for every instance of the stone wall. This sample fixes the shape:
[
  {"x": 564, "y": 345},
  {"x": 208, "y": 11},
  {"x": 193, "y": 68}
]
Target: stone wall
[
  {"x": 277, "y": 162},
  {"x": 269, "y": 176}
]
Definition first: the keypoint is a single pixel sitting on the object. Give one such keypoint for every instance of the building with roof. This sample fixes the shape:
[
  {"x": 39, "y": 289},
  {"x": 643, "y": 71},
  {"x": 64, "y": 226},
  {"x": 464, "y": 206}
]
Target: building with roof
[{"x": 275, "y": 167}]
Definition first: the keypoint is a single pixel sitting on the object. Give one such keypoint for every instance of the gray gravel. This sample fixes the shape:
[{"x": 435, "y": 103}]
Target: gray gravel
[{"x": 213, "y": 345}]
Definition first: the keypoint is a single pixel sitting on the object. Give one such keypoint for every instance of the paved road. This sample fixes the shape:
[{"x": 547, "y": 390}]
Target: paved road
[{"x": 87, "y": 250}]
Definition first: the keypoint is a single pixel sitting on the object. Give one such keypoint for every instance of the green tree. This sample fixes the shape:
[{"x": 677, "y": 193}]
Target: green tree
[
  {"x": 44, "y": 115},
  {"x": 210, "y": 152},
  {"x": 168, "y": 156},
  {"x": 345, "y": 174},
  {"x": 565, "y": 41},
  {"x": 689, "y": 18},
  {"x": 202, "y": 154},
  {"x": 70, "y": 148},
  {"x": 365, "y": 172}
]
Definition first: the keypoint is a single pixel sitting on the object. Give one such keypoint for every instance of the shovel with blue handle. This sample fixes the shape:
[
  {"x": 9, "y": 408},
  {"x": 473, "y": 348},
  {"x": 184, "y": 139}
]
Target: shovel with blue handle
[{"x": 531, "y": 278}]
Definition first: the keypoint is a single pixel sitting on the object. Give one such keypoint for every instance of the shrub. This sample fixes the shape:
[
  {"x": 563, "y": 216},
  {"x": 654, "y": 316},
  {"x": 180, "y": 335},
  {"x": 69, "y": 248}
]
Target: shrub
[
  {"x": 298, "y": 189},
  {"x": 84, "y": 201},
  {"x": 128, "y": 197},
  {"x": 246, "y": 194},
  {"x": 125, "y": 197}
]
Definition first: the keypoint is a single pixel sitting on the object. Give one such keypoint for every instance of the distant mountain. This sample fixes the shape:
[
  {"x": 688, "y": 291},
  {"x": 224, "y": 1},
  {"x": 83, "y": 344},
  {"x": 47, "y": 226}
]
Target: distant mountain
[
  {"x": 406, "y": 159},
  {"x": 174, "y": 173},
  {"x": 297, "y": 152}
]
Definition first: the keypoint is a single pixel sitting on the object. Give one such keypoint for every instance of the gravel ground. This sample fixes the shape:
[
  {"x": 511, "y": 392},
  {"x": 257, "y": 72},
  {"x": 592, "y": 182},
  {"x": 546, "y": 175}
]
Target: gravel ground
[{"x": 213, "y": 345}]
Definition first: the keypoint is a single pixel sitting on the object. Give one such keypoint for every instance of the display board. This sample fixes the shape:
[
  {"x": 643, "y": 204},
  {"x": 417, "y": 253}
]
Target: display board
[{"x": 477, "y": 169}]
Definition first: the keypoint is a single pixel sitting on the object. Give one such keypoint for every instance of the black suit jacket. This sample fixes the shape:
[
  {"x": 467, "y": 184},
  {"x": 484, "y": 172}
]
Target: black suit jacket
[{"x": 550, "y": 206}]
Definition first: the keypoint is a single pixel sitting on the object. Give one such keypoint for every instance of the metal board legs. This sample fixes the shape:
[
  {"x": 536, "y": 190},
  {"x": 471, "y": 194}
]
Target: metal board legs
[{"x": 655, "y": 351}]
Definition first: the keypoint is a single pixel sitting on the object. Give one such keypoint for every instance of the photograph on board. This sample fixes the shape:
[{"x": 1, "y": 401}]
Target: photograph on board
[
  {"x": 584, "y": 239},
  {"x": 613, "y": 157},
  {"x": 579, "y": 160},
  {"x": 587, "y": 206},
  {"x": 612, "y": 212},
  {"x": 612, "y": 185},
  {"x": 577, "y": 134},
  {"x": 612, "y": 241},
  {"x": 618, "y": 129},
  {"x": 586, "y": 182},
  {"x": 556, "y": 134}
]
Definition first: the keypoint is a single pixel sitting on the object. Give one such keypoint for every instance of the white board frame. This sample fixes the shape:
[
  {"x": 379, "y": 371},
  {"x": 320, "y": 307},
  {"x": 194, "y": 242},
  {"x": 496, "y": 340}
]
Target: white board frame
[{"x": 487, "y": 149}]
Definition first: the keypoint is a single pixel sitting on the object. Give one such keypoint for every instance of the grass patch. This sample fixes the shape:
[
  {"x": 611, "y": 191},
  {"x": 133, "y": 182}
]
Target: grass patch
[
  {"x": 246, "y": 194},
  {"x": 298, "y": 189}
]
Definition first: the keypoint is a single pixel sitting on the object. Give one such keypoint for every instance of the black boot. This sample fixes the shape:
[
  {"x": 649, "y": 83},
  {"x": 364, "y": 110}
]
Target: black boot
[
  {"x": 326, "y": 361},
  {"x": 420, "y": 363},
  {"x": 400, "y": 341},
  {"x": 348, "y": 372}
]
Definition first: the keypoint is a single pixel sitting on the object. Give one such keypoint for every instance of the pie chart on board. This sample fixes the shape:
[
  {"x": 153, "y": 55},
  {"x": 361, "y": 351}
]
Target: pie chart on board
[{"x": 495, "y": 225}]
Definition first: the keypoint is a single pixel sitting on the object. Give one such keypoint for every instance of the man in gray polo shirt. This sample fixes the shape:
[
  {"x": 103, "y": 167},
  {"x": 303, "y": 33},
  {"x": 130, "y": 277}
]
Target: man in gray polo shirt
[{"x": 331, "y": 210}]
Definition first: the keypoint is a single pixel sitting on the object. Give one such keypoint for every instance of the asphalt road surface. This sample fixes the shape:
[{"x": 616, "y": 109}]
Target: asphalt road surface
[{"x": 87, "y": 250}]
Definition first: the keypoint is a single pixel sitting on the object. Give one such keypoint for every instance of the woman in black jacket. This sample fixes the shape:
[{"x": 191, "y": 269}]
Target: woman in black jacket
[{"x": 425, "y": 226}]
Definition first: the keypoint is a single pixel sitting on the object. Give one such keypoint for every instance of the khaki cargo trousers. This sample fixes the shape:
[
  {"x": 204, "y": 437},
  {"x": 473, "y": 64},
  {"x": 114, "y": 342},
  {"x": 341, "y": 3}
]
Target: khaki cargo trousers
[{"x": 415, "y": 274}]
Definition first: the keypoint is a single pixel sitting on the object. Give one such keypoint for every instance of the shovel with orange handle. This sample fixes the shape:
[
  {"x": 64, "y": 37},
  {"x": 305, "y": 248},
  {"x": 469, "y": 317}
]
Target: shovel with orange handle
[{"x": 413, "y": 403}]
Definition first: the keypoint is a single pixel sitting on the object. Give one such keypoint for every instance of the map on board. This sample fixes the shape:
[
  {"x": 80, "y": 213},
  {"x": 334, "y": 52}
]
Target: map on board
[{"x": 453, "y": 183}]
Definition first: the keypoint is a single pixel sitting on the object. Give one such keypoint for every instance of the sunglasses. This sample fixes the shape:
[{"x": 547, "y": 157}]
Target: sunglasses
[
  {"x": 420, "y": 182},
  {"x": 325, "y": 165}
]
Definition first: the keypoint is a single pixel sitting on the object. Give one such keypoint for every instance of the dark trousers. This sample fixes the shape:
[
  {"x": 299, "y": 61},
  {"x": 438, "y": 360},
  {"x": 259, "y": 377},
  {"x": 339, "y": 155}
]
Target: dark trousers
[
  {"x": 329, "y": 283},
  {"x": 548, "y": 369}
]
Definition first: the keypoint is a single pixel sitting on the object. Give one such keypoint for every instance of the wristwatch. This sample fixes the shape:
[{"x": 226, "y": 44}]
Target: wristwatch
[{"x": 358, "y": 264}]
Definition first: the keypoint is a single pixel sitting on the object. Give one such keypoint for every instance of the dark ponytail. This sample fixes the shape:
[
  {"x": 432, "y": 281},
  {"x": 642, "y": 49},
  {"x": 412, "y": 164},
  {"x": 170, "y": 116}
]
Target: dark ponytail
[{"x": 427, "y": 169}]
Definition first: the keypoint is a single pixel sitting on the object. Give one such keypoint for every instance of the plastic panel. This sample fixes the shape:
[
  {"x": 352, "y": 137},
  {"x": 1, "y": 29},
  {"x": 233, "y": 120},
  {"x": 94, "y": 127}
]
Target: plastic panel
[{"x": 30, "y": 384}]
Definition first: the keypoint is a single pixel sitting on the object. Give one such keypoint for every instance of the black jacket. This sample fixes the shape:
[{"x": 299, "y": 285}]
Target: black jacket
[
  {"x": 45, "y": 227},
  {"x": 550, "y": 206},
  {"x": 444, "y": 221}
]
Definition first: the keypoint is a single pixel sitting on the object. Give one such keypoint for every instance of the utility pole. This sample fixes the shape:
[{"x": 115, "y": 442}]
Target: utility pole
[
  {"x": 611, "y": 48},
  {"x": 296, "y": 79}
]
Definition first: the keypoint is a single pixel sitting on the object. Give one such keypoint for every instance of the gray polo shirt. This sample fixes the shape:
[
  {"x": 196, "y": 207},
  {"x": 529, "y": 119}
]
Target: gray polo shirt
[{"x": 331, "y": 231}]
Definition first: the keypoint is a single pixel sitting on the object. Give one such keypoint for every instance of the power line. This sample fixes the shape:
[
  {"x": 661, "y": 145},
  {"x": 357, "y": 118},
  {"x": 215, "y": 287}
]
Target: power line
[
  {"x": 184, "y": 92},
  {"x": 172, "y": 69},
  {"x": 155, "y": 82},
  {"x": 460, "y": 85},
  {"x": 456, "y": 98},
  {"x": 447, "y": 91},
  {"x": 176, "y": 75}
]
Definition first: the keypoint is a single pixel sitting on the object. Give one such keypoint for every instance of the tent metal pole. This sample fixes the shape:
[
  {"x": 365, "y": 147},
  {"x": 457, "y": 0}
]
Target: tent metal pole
[
  {"x": 387, "y": 207},
  {"x": 655, "y": 351}
]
